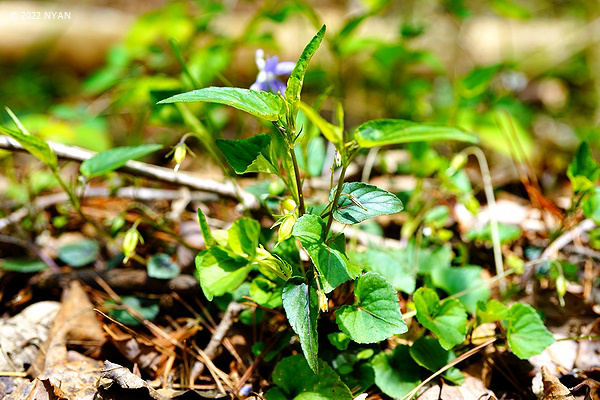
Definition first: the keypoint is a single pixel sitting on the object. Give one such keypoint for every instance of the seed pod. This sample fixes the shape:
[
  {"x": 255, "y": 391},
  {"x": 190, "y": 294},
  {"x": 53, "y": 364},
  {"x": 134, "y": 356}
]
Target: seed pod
[
  {"x": 286, "y": 227},
  {"x": 130, "y": 242}
]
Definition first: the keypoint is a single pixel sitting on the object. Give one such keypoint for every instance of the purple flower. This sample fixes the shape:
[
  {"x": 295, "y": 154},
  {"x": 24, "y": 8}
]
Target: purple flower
[{"x": 268, "y": 71}]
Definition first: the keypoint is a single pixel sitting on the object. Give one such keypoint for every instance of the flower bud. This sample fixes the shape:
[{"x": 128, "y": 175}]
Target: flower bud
[
  {"x": 289, "y": 204},
  {"x": 179, "y": 154},
  {"x": 286, "y": 227},
  {"x": 338, "y": 159},
  {"x": 323, "y": 302},
  {"x": 561, "y": 286},
  {"x": 130, "y": 242}
]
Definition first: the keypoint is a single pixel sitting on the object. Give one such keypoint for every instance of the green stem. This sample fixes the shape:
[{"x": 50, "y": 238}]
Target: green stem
[
  {"x": 301, "y": 206},
  {"x": 336, "y": 198}
]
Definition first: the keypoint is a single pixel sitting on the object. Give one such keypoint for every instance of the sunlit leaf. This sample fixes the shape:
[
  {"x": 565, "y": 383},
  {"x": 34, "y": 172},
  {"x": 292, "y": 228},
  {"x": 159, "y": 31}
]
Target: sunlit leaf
[
  {"x": 376, "y": 316},
  {"x": 112, "y": 159},
  {"x": 261, "y": 104}
]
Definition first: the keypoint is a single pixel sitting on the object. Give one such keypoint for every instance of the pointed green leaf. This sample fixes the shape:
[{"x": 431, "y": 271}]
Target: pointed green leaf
[
  {"x": 219, "y": 272},
  {"x": 455, "y": 280},
  {"x": 295, "y": 380},
  {"x": 584, "y": 170},
  {"x": 23, "y": 266},
  {"x": 209, "y": 240},
  {"x": 110, "y": 160},
  {"x": 261, "y": 104},
  {"x": 296, "y": 79},
  {"x": 243, "y": 237},
  {"x": 591, "y": 206},
  {"x": 309, "y": 229},
  {"x": 247, "y": 155},
  {"x": 428, "y": 353},
  {"x": 161, "y": 266},
  {"x": 376, "y": 316},
  {"x": 301, "y": 307},
  {"x": 331, "y": 132},
  {"x": 333, "y": 266},
  {"x": 396, "y": 374},
  {"x": 526, "y": 333},
  {"x": 492, "y": 311},
  {"x": 374, "y": 201},
  {"x": 382, "y": 132},
  {"x": 34, "y": 145},
  {"x": 446, "y": 319}
]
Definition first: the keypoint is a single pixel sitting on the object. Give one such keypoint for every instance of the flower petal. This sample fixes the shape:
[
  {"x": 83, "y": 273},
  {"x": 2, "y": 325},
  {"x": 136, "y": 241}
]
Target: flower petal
[
  {"x": 285, "y": 68},
  {"x": 258, "y": 86},
  {"x": 276, "y": 86},
  {"x": 271, "y": 64}
]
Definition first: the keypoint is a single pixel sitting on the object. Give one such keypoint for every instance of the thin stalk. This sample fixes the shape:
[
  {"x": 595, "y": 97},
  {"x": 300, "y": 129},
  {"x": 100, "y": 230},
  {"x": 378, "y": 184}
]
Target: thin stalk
[
  {"x": 489, "y": 194},
  {"x": 301, "y": 206},
  {"x": 336, "y": 198}
]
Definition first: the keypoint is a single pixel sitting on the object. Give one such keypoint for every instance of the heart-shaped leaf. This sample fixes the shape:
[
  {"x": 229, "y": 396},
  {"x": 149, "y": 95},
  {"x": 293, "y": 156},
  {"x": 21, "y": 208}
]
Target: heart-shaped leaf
[
  {"x": 376, "y": 316},
  {"x": 80, "y": 253},
  {"x": 526, "y": 333},
  {"x": 396, "y": 374},
  {"x": 428, "y": 353},
  {"x": 160, "y": 266},
  {"x": 446, "y": 319},
  {"x": 295, "y": 380}
]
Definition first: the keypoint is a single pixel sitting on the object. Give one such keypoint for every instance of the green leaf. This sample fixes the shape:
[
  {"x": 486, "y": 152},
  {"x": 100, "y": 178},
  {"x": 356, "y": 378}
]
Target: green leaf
[
  {"x": 360, "y": 201},
  {"x": 591, "y": 206},
  {"x": 376, "y": 316},
  {"x": 446, "y": 319},
  {"x": 583, "y": 170},
  {"x": 294, "y": 83},
  {"x": 455, "y": 280},
  {"x": 147, "y": 308},
  {"x": 331, "y": 132},
  {"x": 295, "y": 380},
  {"x": 393, "y": 131},
  {"x": 261, "y": 104},
  {"x": 315, "y": 156},
  {"x": 339, "y": 340},
  {"x": 492, "y": 311},
  {"x": 392, "y": 264},
  {"x": 506, "y": 233},
  {"x": 23, "y": 266},
  {"x": 301, "y": 307},
  {"x": 333, "y": 266},
  {"x": 110, "y": 160},
  {"x": 80, "y": 253},
  {"x": 219, "y": 272},
  {"x": 265, "y": 293},
  {"x": 160, "y": 266},
  {"x": 309, "y": 229},
  {"x": 209, "y": 240},
  {"x": 243, "y": 237},
  {"x": 35, "y": 146},
  {"x": 396, "y": 374},
  {"x": 428, "y": 353},
  {"x": 526, "y": 333},
  {"x": 247, "y": 155}
]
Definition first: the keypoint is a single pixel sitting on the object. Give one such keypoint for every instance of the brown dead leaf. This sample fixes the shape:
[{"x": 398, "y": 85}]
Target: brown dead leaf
[
  {"x": 75, "y": 315},
  {"x": 472, "y": 389},
  {"x": 553, "y": 389},
  {"x": 123, "y": 384}
]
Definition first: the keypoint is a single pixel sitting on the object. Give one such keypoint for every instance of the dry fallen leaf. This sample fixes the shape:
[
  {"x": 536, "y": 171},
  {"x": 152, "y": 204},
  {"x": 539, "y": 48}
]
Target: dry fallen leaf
[{"x": 553, "y": 389}]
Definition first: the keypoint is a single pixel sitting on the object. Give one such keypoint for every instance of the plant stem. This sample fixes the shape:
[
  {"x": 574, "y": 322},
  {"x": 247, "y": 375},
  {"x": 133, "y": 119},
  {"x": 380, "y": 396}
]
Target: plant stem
[
  {"x": 336, "y": 198},
  {"x": 301, "y": 207},
  {"x": 489, "y": 194}
]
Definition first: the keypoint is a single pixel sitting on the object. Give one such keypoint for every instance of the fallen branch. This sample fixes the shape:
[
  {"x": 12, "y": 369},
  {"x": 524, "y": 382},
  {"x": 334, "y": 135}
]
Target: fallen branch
[
  {"x": 154, "y": 172},
  {"x": 233, "y": 309}
]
